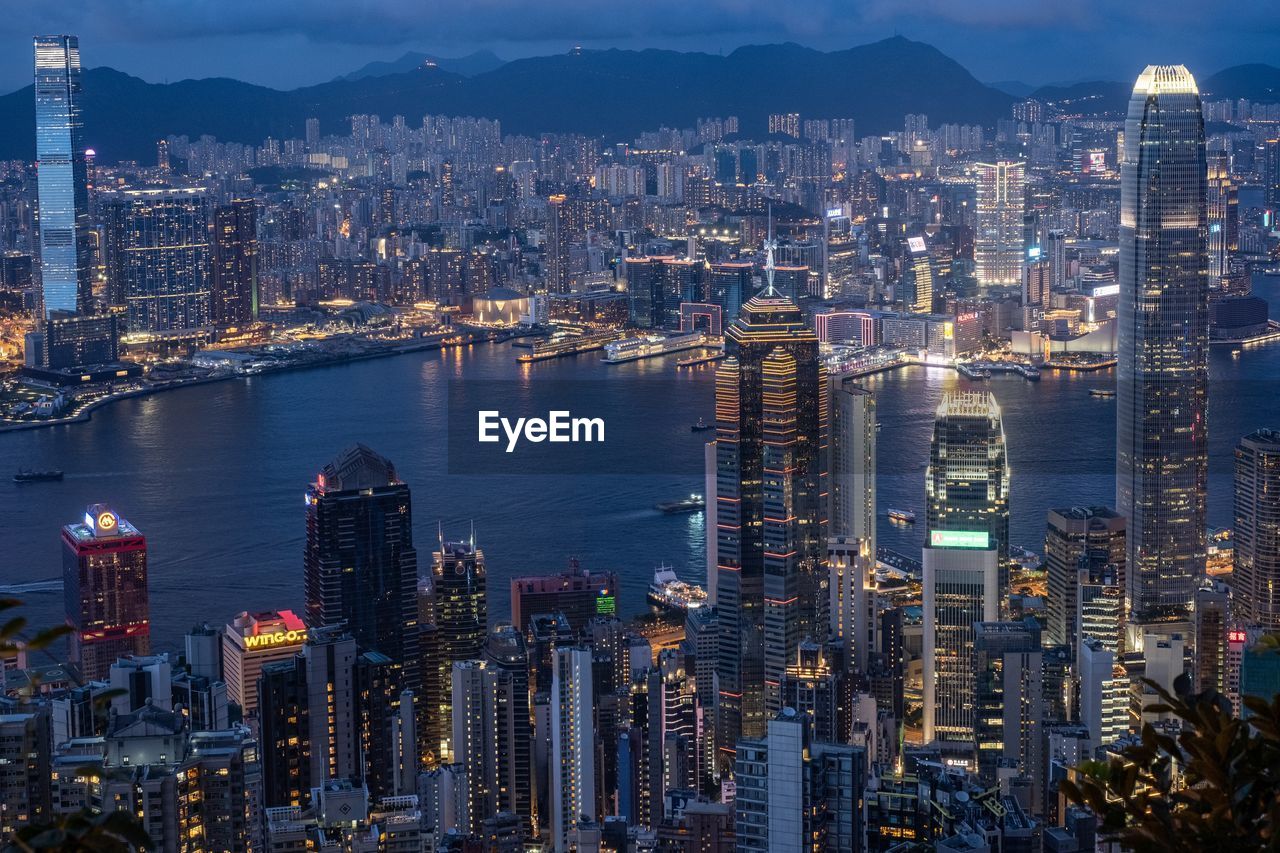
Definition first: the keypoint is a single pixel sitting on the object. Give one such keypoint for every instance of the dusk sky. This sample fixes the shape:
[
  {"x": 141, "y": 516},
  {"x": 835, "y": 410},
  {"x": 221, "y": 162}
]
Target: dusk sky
[{"x": 289, "y": 44}]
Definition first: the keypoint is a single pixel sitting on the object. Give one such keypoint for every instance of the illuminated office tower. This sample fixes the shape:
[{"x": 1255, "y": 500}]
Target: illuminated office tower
[
  {"x": 579, "y": 594},
  {"x": 852, "y": 588},
  {"x": 645, "y": 291},
  {"x": 1099, "y": 605},
  {"x": 470, "y": 736},
  {"x": 1104, "y": 693},
  {"x": 62, "y": 180},
  {"x": 961, "y": 587},
  {"x": 917, "y": 295},
  {"x": 967, "y": 481},
  {"x": 998, "y": 244},
  {"x": 1009, "y": 698},
  {"x": 1036, "y": 291},
  {"x": 250, "y": 642},
  {"x": 1255, "y": 582},
  {"x": 1271, "y": 173},
  {"x": 771, "y": 494},
  {"x": 729, "y": 285},
  {"x": 1162, "y": 371},
  {"x": 1055, "y": 252},
  {"x": 457, "y": 612},
  {"x": 510, "y": 758},
  {"x": 159, "y": 267},
  {"x": 1223, "y": 199},
  {"x": 234, "y": 300},
  {"x": 560, "y": 233},
  {"x": 1094, "y": 534},
  {"x": 25, "y": 747},
  {"x": 573, "y": 747},
  {"x": 104, "y": 583}
]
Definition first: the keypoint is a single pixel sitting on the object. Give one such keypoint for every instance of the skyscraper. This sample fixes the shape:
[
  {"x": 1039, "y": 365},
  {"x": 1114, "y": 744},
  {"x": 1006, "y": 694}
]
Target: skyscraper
[
  {"x": 917, "y": 294},
  {"x": 159, "y": 259},
  {"x": 1162, "y": 372},
  {"x": 1223, "y": 199},
  {"x": 967, "y": 481},
  {"x": 1093, "y": 534},
  {"x": 771, "y": 484},
  {"x": 573, "y": 748},
  {"x": 234, "y": 297},
  {"x": 61, "y": 176},
  {"x": 104, "y": 582},
  {"x": 998, "y": 245},
  {"x": 1009, "y": 698},
  {"x": 457, "y": 611},
  {"x": 1255, "y": 582},
  {"x": 360, "y": 566}
]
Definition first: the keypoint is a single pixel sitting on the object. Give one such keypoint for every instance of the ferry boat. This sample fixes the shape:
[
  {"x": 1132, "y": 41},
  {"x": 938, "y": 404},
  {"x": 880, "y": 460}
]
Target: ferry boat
[
  {"x": 902, "y": 516},
  {"x": 702, "y": 426},
  {"x": 27, "y": 475},
  {"x": 971, "y": 372},
  {"x": 1102, "y": 392},
  {"x": 646, "y": 346},
  {"x": 693, "y": 503},
  {"x": 667, "y": 592}
]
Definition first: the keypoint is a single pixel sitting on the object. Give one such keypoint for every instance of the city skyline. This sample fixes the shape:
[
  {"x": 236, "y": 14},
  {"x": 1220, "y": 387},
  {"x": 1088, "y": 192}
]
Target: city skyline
[{"x": 875, "y": 391}]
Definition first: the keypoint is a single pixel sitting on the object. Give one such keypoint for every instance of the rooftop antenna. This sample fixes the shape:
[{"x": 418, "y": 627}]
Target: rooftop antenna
[
  {"x": 473, "y": 535},
  {"x": 769, "y": 245},
  {"x": 440, "y": 534}
]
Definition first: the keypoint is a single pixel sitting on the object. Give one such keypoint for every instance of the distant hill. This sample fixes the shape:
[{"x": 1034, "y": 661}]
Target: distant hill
[
  {"x": 611, "y": 93},
  {"x": 468, "y": 66},
  {"x": 1013, "y": 87},
  {"x": 1256, "y": 82}
]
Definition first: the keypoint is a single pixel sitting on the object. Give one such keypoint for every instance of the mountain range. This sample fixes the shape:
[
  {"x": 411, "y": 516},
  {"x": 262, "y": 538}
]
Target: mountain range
[
  {"x": 610, "y": 93},
  {"x": 468, "y": 66}
]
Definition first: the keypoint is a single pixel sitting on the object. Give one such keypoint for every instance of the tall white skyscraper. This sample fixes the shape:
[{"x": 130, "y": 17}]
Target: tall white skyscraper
[
  {"x": 1162, "y": 369},
  {"x": 573, "y": 746},
  {"x": 961, "y": 587},
  {"x": 999, "y": 253}
]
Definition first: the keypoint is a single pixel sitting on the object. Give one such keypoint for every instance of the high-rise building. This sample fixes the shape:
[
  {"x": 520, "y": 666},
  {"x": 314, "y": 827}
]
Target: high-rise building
[
  {"x": 917, "y": 296},
  {"x": 510, "y": 759},
  {"x": 104, "y": 582},
  {"x": 361, "y": 569},
  {"x": 961, "y": 587},
  {"x": 1009, "y": 699},
  {"x": 729, "y": 285},
  {"x": 579, "y": 594},
  {"x": 560, "y": 233},
  {"x": 25, "y": 792},
  {"x": 1223, "y": 199},
  {"x": 771, "y": 493},
  {"x": 853, "y": 461},
  {"x": 1104, "y": 693},
  {"x": 333, "y": 712},
  {"x": 797, "y": 794},
  {"x": 457, "y": 612},
  {"x": 1271, "y": 172},
  {"x": 158, "y": 258},
  {"x": 1255, "y": 583},
  {"x": 998, "y": 245},
  {"x": 1162, "y": 371},
  {"x": 1094, "y": 534},
  {"x": 250, "y": 642},
  {"x": 234, "y": 297},
  {"x": 573, "y": 747},
  {"x": 967, "y": 481},
  {"x": 62, "y": 181}
]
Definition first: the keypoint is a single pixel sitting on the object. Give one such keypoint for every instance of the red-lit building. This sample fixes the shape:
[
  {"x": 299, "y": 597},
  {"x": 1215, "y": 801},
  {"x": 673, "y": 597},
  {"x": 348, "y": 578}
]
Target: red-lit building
[{"x": 104, "y": 581}]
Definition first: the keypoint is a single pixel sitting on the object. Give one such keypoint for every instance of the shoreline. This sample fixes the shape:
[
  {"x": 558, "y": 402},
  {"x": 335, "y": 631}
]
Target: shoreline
[{"x": 86, "y": 413}]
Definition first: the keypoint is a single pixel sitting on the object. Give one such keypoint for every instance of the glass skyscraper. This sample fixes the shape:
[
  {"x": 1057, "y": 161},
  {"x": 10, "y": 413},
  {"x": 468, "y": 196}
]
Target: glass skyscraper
[
  {"x": 772, "y": 429},
  {"x": 1161, "y": 458},
  {"x": 61, "y": 178},
  {"x": 998, "y": 245}
]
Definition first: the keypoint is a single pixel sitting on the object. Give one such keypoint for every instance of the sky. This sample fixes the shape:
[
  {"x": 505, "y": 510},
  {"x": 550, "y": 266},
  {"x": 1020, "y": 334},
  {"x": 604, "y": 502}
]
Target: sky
[{"x": 290, "y": 43}]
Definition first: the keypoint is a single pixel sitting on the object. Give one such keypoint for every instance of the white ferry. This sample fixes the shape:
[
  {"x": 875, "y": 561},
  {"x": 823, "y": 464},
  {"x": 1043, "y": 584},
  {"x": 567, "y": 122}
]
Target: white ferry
[{"x": 647, "y": 346}]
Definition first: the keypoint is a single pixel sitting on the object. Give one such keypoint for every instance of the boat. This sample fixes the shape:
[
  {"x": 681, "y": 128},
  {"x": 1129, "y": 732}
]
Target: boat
[
  {"x": 902, "y": 516},
  {"x": 972, "y": 372},
  {"x": 667, "y": 592},
  {"x": 702, "y": 426},
  {"x": 646, "y": 346},
  {"x": 1102, "y": 392},
  {"x": 693, "y": 503},
  {"x": 27, "y": 475}
]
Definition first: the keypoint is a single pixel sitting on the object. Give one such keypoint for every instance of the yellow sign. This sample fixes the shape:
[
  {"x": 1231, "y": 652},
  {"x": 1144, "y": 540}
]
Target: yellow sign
[
  {"x": 106, "y": 522},
  {"x": 278, "y": 638}
]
